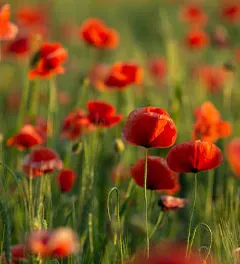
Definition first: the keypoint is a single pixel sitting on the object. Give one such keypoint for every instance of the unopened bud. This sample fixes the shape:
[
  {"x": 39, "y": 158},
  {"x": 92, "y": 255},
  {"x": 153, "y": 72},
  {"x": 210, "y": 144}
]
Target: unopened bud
[
  {"x": 119, "y": 145},
  {"x": 77, "y": 147}
]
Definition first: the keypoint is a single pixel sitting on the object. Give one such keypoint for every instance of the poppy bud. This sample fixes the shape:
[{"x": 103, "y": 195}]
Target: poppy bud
[
  {"x": 77, "y": 147},
  {"x": 1, "y": 137},
  {"x": 118, "y": 145}
]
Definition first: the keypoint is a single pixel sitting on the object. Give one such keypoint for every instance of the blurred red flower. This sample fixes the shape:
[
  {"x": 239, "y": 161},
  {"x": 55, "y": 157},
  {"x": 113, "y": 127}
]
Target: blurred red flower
[
  {"x": 102, "y": 114},
  {"x": 168, "y": 202},
  {"x": 157, "y": 68},
  {"x": 19, "y": 47},
  {"x": 28, "y": 137},
  {"x": 122, "y": 75},
  {"x": 150, "y": 127},
  {"x": 59, "y": 243},
  {"x": 18, "y": 253},
  {"x": 75, "y": 124},
  {"x": 119, "y": 174},
  {"x": 97, "y": 75},
  {"x": 212, "y": 77},
  {"x": 209, "y": 125},
  {"x": 49, "y": 61},
  {"x": 194, "y": 157},
  {"x": 233, "y": 155},
  {"x": 8, "y": 30},
  {"x": 66, "y": 179},
  {"x": 230, "y": 11},
  {"x": 95, "y": 33},
  {"x": 159, "y": 175},
  {"x": 196, "y": 39},
  {"x": 64, "y": 97},
  {"x": 41, "y": 161},
  {"x": 193, "y": 14}
]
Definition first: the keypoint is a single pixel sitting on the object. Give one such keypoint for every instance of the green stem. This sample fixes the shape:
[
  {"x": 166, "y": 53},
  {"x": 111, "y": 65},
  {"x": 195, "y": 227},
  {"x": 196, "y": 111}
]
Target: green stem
[
  {"x": 159, "y": 220},
  {"x": 209, "y": 192},
  {"x": 146, "y": 201},
  {"x": 192, "y": 213},
  {"x": 52, "y": 107},
  {"x": 34, "y": 100},
  {"x": 23, "y": 104}
]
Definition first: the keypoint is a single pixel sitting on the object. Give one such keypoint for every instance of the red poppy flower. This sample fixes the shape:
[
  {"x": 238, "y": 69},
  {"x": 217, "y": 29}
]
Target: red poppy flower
[
  {"x": 41, "y": 161},
  {"x": 212, "y": 77},
  {"x": 19, "y": 47},
  {"x": 49, "y": 61},
  {"x": 102, "y": 114},
  {"x": 167, "y": 253},
  {"x": 159, "y": 176},
  {"x": 150, "y": 127},
  {"x": 8, "y": 30},
  {"x": 230, "y": 11},
  {"x": 157, "y": 68},
  {"x": 119, "y": 174},
  {"x": 122, "y": 75},
  {"x": 28, "y": 137},
  {"x": 18, "y": 254},
  {"x": 97, "y": 76},
  {"x": 59, "y": 243},
  {"x": 209, "y": 125},
  {"x": 193, "y": 14},
  {"x": 66, "y": 179},
  {"x": 175, "y": 189},
  {"x": 75, "y": 124},
  {"x": 95, "y": 33},
  {"x": 233, "y": 155},
  {"x": 194, "y": 157},
  {"x": 168, "y": 202},
  {"x": 196, "y": 39}
]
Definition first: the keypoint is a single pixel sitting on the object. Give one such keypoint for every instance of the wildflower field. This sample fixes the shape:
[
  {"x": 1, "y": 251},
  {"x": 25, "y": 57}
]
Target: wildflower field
[{"x": 119, "y": 132}]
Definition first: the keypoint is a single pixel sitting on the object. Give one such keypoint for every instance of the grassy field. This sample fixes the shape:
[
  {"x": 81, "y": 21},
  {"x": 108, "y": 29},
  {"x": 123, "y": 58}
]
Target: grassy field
[{"x": 109, "y": 217}]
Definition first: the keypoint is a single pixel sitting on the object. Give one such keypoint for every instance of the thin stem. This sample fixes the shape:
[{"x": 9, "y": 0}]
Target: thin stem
[
  {"x": 192, "y": 213},
  {"x": 52, "y": 107},
  {"x": 34, "y": 100},
  {"x": 23, "y": 104},
  {"x": 146, "y": 201},
  {"x": 159, "y": 220}
]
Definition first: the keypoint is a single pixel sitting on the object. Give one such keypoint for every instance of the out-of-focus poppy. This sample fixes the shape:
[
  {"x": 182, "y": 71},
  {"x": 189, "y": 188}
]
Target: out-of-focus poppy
[
  {"x": 193, "y": 14},
  {"x": 212, "y": 77},
  {"x": 157, "y": 68},
  {"x": 28, "y": 137},
  {"x": 119, "y": 174},
  {"x": 194, "y": 157},
  {"x": 196, "y": 39},
  {"x": 95, "y": 33},
  {"x": 97, "y": 76},
  {"x": 233, "y": 155},
  {"x": 220, "y": 37},
  {"x": 8, "y": 30},
  {"x": 48, "y": 61},
  {"x": 41, "y": 161},
  {"x": 122, "y": 75},
  {"x": 150, "y": 127},
  {"x": 159, "y": 175},
  {"x": 64, "y": 98},
  {"x": 167, "y": 253},
  {"x": 168, "y": 202},
  {"x": 209, "y": 125},
  {"x": 19, "y": 47},
  {"x": 18, "y": 253},
  {"x": 66, "y": 179},
  {"x": 102, "y": 114},
  {"x": 59, "y": 243},
  {"x": 75, "y": 124},
  {"x": 230, "y": 11},
  {"x": 13, "y": 99}
]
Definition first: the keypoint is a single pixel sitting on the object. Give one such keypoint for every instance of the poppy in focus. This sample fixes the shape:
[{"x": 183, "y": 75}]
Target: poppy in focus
[
  {"x": 102, "y": 114},
  {"x": 150, "y": 127},
  {"x": 28, "y": 137},
  {"x": 122, "y": 75},
  {"x": 230, "y": 11},
  {"x": 159, "y": 175},
  {"x": 18, "y": 253},
  {"x": 194, "y": 157},
  {"x": 75, "y": 124},
  {"x": 209, "y": 125},
  {"x": 233, "y": 155},
  {"x": 48, "y": 61},
  {"x": 66, "y": 179},
  {"x": 41, "y": 161},
  {"x": 168, "y": 202},
  {"x": 193, "y": 14},
  {"x": 95, "y": 33},
  {"x": 196, "y": 39},
  {"x": 8, "y": 30}
]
